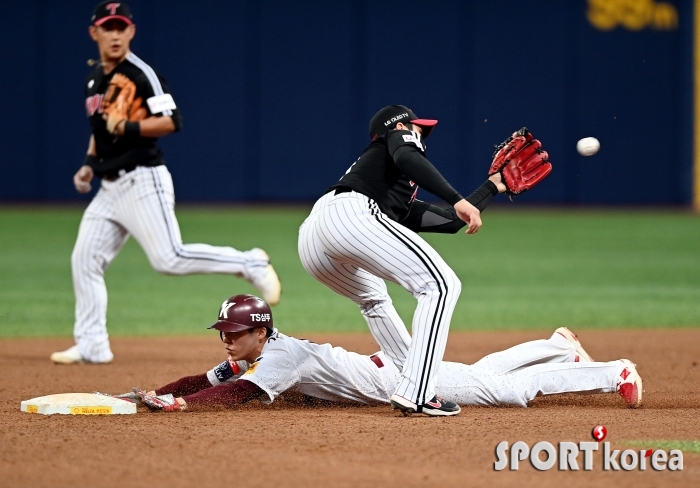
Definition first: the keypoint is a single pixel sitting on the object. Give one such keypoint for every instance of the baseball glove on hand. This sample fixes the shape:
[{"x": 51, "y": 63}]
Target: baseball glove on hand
[
  {"x": 167, "y": 403},
  {"x": 521, "y": 161},
  {"x": 118, "y": 103}
]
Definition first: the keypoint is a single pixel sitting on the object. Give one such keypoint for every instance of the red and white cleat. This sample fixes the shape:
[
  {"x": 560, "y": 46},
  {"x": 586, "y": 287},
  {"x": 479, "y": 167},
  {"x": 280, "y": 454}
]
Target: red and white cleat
[
  {"x": 629, "y": 384},
  {"x": 581, "y": 356}
]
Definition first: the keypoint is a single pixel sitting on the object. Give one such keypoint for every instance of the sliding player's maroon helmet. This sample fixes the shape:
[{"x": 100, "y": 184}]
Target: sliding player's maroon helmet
[{"x": 243, "y": 312}]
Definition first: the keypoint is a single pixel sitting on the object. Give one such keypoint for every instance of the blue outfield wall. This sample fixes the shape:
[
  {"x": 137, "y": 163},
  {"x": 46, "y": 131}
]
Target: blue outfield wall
[{"x": 276, "y": 95}]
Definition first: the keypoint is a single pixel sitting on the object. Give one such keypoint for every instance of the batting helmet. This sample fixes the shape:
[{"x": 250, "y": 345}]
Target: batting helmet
[
  {"x": 243, "y": 312},
  {"x": 387, "y": 118}
]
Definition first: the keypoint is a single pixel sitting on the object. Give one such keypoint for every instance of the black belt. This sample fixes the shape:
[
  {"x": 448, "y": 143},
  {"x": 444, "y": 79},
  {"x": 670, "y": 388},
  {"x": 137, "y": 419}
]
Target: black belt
[
  {"x": 342, "y": 189},
  {"x": 113, "y": 174},
  {"x": 375, "y": 359}
]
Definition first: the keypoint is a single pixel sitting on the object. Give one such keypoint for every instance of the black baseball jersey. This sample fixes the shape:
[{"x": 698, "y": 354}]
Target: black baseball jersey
[
  {"x": 391, "y": 169},
  {"x": 152, "y": 97}
]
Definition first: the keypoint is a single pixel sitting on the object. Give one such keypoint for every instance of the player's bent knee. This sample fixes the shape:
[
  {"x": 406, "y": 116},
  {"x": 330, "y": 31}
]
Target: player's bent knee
[
  {"x": 166, "y": 263},
  {"x": 370, "y": 306}
]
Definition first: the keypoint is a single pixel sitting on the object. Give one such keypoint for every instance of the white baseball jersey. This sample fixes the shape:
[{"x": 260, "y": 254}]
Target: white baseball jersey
[
  {"x": 511, "y": 377},
  {"x": 318, "y": 370}
]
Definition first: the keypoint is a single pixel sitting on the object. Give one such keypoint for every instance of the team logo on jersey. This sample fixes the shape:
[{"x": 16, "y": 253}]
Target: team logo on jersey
[
  {"x": 94, "y": 103},
  {"x": 260, "y": 317},
  {"x": 223, "y": 314},
  {"x": 253, "y": 366},
  {"x": 415, "y": 139}
]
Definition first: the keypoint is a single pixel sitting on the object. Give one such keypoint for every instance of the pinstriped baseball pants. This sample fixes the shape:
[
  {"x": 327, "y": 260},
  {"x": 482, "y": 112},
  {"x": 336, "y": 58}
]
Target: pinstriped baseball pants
[
  {"x": 139, "y": 203},
  {"x": 350, "y": 246}
]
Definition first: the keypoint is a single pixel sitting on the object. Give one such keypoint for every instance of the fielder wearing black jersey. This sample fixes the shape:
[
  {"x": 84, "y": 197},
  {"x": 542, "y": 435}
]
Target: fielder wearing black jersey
[
  {"x": 129, "y": 106},
  {"x": 364, "y": 231}
]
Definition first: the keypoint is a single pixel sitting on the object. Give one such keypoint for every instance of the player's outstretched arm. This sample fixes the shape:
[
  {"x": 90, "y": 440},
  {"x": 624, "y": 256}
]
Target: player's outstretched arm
[
  {"x": 185, "y": 386},
  {"x": 425, "y": 217},
  {"x": 223, "y": 395}
]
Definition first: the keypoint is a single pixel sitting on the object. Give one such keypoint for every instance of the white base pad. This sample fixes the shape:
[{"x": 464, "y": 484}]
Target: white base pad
[{"x": 78, "y": 404}]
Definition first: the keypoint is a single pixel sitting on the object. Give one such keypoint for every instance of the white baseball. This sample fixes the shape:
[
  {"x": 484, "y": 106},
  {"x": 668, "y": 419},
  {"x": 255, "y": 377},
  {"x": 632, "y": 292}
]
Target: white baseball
[{"x": 588, "y": 146}]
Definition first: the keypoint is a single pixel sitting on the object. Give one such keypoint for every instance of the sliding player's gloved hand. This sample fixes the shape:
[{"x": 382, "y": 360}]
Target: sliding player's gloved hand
[
  {"x": 521, "y": 161},
  {"x": 167, "y": 403}
]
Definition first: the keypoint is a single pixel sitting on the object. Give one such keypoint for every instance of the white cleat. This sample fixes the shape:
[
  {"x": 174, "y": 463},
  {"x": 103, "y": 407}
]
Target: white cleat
[
  {"x": 69, "y": 356},
  {"x": 582, "y": 356},
  {"x": 629, "y": 384},
  {"x": 267, "y": 281},
  {"x": 73, "y": 356}
]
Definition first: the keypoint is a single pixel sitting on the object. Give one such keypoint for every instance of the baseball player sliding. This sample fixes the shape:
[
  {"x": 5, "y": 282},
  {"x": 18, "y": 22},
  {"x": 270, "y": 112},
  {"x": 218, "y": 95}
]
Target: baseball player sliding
[
  {"x": 264, "y": 363},
  {"x": 129, "y": 107},
  {"x": 364, "y": 230}
]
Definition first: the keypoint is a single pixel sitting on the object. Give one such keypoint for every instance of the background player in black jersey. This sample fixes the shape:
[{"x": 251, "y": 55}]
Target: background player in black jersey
[
  {"x": 364, "y": 231},
  {"x": 129, "y": 107}
]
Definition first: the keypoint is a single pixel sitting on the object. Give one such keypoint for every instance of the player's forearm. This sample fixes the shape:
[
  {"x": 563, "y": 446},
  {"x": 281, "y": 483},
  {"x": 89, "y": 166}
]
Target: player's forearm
[
  {"x": 92, "y": 147},
  {"x": 414, "y": 165},
  {"x": 482, "y": 196},
  {"x": 185, "y": 386},
  {"x": 224, "y": 395},
  {"x": 424, "y": 217},
  {"x": 156, "y": 126},
  {"x": 150, "y": 127}
]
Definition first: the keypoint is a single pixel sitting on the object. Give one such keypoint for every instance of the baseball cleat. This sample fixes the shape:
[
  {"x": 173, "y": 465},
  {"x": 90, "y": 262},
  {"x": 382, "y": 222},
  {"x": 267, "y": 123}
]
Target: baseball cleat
[
  {"x": 69, "y": 356},
  {"x": 73, "y": 356},
  {"x": 581, "y": 356},
  {"x": 434, "y": 408},
  {"x": 629, "y": 384},
  {"x": 267, "y": 281}
]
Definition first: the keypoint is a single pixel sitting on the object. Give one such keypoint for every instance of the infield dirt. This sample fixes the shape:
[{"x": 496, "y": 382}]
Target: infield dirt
[{"x": 288, "y": 444}]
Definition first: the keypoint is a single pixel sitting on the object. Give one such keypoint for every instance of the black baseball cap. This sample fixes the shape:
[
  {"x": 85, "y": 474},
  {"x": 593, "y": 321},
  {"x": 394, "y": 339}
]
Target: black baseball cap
[
  {"x": 387, "y": 118},
  {"x": 112, "y": 10}
]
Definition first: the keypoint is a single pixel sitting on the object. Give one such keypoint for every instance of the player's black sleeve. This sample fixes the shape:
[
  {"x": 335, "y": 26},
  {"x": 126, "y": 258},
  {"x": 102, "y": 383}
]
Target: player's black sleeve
[
  {"x": 424, "y": 217},
  {"x": 176, "y": 115},
  {"x": 410, "y": 160},
  {"x": 153, "y": 89}
]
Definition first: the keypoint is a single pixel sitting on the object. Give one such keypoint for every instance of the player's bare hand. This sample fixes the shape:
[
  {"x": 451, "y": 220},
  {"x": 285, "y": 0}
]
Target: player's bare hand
[
  {"x": 82, "y": 179},
  {"x": 497, "y": 180},
  {"x": 470, "y": 214}
]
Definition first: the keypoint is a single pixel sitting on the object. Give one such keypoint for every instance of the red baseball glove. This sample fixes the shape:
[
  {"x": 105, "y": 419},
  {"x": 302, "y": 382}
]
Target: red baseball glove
[{"x": 521, "y": 161}]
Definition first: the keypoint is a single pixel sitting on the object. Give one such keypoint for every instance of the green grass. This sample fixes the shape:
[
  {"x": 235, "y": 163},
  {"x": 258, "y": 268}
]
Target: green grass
[
  {"x": 685, "y": 446},
  {"x": 524, "y": 269}
]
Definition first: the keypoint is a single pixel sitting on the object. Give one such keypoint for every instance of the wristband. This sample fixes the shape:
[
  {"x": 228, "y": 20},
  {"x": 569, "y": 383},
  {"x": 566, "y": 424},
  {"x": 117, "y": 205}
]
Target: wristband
[
  {"x": 132, "y": 129},
  {"x": 90, "y": 161}
]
